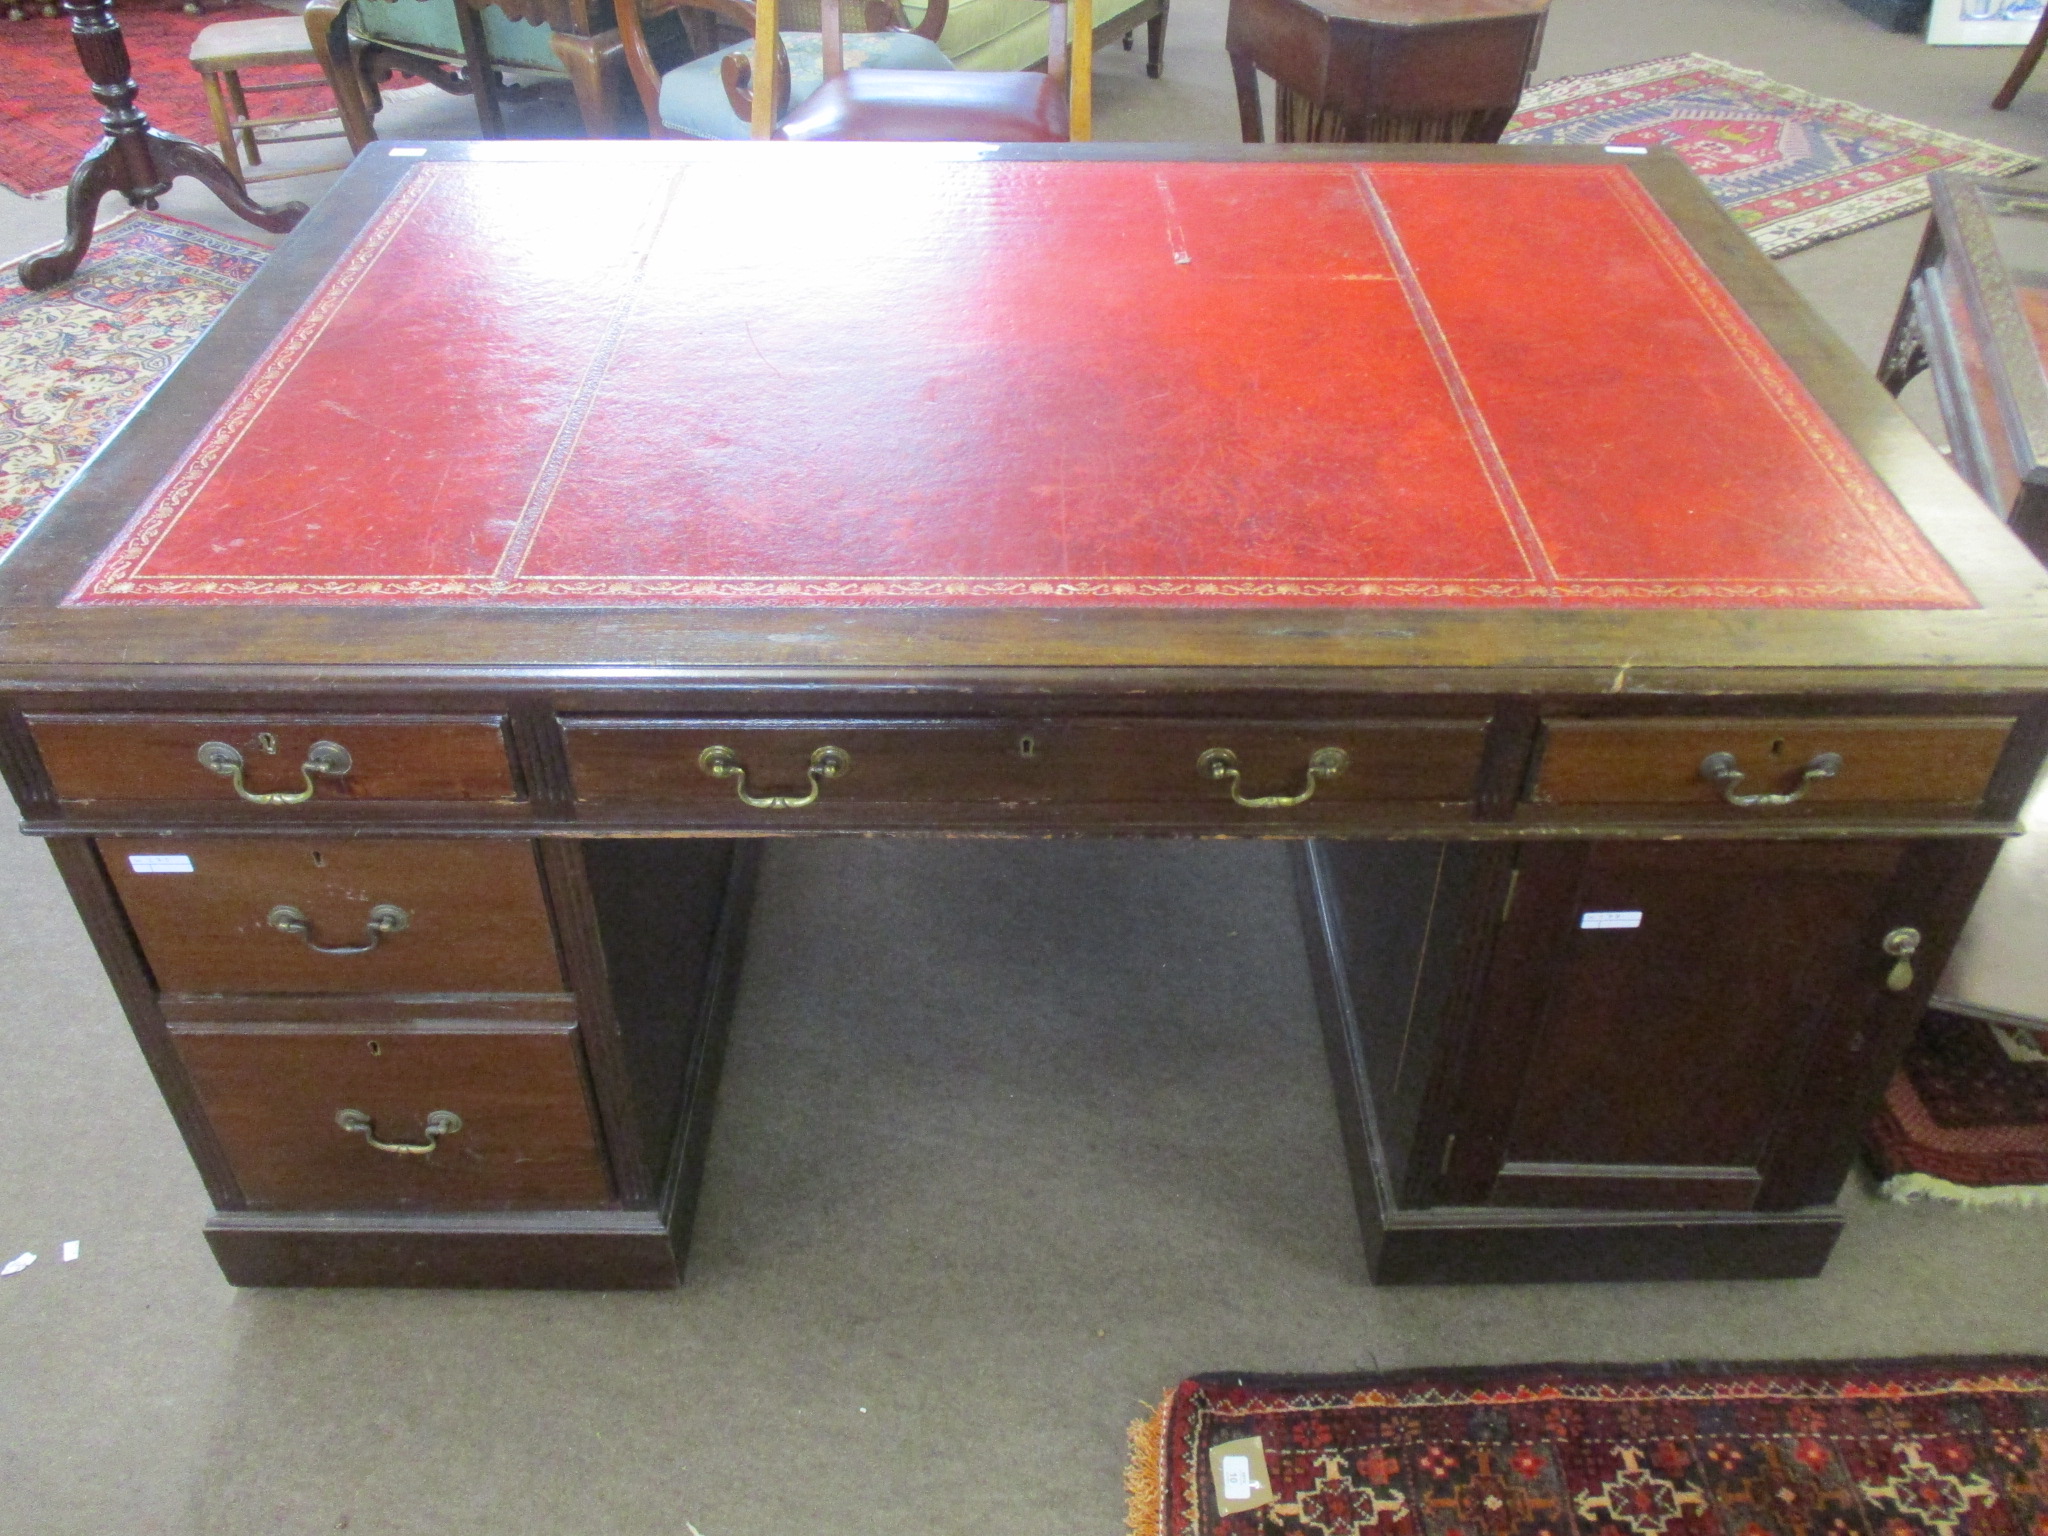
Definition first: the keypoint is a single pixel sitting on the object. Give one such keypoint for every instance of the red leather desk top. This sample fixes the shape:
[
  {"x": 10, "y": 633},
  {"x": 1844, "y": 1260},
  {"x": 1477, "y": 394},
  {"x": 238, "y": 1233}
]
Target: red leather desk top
[{"x": 948, "y": 382}]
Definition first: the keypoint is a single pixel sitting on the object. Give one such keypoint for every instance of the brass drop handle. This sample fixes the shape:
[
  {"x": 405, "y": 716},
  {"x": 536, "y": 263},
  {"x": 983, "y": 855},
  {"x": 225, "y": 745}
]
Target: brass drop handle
[
  {"x": 442, "y": 1122},
  {"x": 384, "y": 918},
  {"x": 327, "y": 758},
  {"x": 826, "y": 763},
  {"x": 1220, "y": 763},
  {"x": 1902, "y": 944},
  {"x": 1719, "y": 768}
]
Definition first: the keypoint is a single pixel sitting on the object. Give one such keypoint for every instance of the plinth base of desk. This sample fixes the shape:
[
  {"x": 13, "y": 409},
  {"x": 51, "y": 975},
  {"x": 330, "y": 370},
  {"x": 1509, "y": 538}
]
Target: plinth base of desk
[
  {"x": 544, "y": 1250},
  {"x": 1478, "y": 1246}
]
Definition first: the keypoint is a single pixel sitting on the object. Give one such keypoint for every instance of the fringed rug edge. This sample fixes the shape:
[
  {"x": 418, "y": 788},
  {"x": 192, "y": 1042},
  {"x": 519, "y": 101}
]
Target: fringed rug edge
[
  {"x": 1145, "y": 1472},
  {"x": 1930, "y": 1189}
]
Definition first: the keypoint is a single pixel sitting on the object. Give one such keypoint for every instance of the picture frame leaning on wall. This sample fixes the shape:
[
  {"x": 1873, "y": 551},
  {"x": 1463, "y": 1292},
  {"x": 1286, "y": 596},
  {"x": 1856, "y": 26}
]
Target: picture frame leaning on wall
[{"x": 1983, "y": 23}]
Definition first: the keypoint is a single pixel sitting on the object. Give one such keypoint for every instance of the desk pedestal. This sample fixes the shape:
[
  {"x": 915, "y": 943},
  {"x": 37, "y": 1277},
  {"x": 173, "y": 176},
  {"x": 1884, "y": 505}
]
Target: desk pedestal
[{"x": 1616, "y": 1060}]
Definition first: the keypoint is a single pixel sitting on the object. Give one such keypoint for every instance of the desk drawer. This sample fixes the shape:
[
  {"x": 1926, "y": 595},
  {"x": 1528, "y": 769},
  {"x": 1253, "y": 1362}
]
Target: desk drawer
[
  {"x": 1924, "y": 766},
  {"x": 831, "y": 765},
  {"x": 505, "y": 1115},
  {"x": 318, "y": 760},
  {"x": 469, "y": 915}
]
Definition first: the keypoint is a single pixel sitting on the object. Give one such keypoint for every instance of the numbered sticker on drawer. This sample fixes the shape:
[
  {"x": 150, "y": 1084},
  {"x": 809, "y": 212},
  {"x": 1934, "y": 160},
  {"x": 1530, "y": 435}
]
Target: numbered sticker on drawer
[
  {"x": 1610, "y": 919},
  {"x": 160, "y": 863}
]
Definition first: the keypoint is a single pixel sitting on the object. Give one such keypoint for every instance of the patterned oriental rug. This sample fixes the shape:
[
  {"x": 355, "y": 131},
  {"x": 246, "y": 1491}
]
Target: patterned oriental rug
[
  {"x": 76, "y": 359},
  {"x": 1791, "y": 168},
  {"x": 1966, "y": 1119},
  {"x": 1900, "y": 1448},
  {"x": 48, "y": 119}
]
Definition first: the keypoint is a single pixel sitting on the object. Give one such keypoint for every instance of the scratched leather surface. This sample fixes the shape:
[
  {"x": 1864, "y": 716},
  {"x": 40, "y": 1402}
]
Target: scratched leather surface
[{"x": 798, "y": 378}]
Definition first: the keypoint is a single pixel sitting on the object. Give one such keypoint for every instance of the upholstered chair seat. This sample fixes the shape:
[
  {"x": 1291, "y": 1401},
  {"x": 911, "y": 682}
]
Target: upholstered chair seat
[
  {"x": 870, "y": 104},
  {"x": 694, "y": 102}
]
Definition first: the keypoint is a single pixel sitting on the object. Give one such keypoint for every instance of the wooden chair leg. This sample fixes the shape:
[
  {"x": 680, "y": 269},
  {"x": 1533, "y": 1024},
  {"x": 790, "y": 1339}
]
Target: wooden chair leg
[
  {"x": 223, "y": 128},
  {"x": 594, "y": 65},
  {"x": 483, "y": 78},
  {"x": 342, "y": 69},
  {"x": 2029, "y": 57},
  {"x": 1155, "y": 43},
  {"x": 1250, "y": 119},
  {"x": 240, "y": 102}
]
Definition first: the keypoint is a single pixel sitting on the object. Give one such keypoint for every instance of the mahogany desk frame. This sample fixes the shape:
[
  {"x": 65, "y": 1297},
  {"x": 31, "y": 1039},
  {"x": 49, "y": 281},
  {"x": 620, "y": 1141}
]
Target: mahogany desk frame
[{"x": 1460, "y": 913}]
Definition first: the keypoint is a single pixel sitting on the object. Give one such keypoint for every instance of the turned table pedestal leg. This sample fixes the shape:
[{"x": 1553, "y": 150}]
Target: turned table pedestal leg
[{"x": 134, "y": 159}]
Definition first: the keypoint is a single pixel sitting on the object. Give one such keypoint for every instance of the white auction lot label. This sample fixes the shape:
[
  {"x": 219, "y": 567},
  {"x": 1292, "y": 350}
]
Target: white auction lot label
[{"x": 1610, "y": 919}]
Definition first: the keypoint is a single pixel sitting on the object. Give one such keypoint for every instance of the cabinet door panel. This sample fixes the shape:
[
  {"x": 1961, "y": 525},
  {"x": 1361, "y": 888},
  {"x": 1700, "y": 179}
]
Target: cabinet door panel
[{"x": 1683, "y": 989}]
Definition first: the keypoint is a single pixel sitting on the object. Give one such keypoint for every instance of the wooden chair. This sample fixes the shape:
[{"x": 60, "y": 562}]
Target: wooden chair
[
  {"x": 696, "y": 101},
  {"x": 891, "y": 82},
  {"x": 221, "y": 52}
]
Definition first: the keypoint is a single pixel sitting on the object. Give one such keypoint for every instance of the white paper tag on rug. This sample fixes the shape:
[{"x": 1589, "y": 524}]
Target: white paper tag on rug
[
  {"x": 1610, "y": 919},
  {"x": 1237, "y": 1470}
]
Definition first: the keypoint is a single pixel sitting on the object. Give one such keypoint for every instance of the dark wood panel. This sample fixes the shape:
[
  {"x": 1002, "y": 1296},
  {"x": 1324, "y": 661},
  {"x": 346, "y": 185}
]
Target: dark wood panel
[
  {"x": 535, "y": 740},
  {"x": 1143, "y": 763},
  {"x": 1410, "y": 1240},
  {"x": 1680, "y": 1043},
  {"x": 92, "y": 893},
  {"x": 156, "y": 757},
  {"x": 659, "y": 906},
  {"x": 1462, "y": 1246},
  {"x": 1852, "y": 1065},
  {"x": 475, "y": 918},
  {"x": 525, "y": 1140},
  {"x": 565, "y": 1250},
  {"x": 1909, "y": 763},
  {"x": 1391, "y": 915},
  {"x": 21, "y": 766}
]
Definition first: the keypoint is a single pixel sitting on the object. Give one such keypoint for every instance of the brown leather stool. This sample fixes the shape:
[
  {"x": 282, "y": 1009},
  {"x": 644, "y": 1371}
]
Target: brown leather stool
[
  {"x": 222, "y": 51},
  {"x": 1384, "y": 71}
]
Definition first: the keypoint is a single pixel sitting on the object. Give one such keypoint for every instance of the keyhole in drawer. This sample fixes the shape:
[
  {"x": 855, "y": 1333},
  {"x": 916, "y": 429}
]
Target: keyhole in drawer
[
  {"x": 376, "y": 1047},
  {"x": 319, "y": 859},
  {"x": 1026, "y": 747},
  {"x": 1778, "y": 747}
]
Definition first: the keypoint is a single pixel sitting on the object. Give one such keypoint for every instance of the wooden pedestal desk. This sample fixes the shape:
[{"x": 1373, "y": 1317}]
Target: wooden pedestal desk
[{"x": 405, "y": 690}]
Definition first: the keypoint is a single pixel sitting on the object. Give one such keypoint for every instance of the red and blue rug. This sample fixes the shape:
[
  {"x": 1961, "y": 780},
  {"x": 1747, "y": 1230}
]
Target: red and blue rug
[
  {"x": 75, "y": 360},
  {"x": 1791, "y": 168},
  {"x": 1965, "y": 1122},
  {"x": 1853, "y": 1448}
]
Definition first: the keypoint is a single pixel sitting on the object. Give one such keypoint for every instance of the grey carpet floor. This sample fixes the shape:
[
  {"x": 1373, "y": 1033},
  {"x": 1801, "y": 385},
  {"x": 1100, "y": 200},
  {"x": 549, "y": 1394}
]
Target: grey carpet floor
[{"x": 1012, "y": 1137}]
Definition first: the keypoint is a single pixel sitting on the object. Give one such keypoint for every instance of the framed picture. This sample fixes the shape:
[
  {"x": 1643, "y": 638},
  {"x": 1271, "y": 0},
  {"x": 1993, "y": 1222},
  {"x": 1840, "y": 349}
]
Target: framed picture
[{"x": 1997, "y": 23}]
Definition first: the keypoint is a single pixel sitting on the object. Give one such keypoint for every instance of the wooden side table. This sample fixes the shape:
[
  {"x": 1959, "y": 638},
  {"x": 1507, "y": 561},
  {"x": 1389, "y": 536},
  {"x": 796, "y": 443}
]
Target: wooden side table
[
  {"x": 1384, "y": 71},
  {"x": 134, "y": 159},
  {"x": 1975, "y": 316}
]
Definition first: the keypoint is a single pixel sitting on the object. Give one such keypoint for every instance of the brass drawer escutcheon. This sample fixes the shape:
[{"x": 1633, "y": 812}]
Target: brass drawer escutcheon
[
  {"x": 327, "y": 758},
  {"x": 442, "y": 1122},
  {"x": 384, "y": 918},
  {"x": 826, "y": 763},
  {"x": 1902, "y": 944},
  {"x": 1220, "y": 763},
  {"x": 1720, "y": 768}
]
